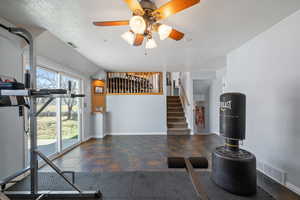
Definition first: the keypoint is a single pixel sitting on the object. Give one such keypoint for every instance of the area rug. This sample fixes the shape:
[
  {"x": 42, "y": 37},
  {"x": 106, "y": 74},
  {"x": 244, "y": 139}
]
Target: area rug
[{"x": 173, "y": 185}]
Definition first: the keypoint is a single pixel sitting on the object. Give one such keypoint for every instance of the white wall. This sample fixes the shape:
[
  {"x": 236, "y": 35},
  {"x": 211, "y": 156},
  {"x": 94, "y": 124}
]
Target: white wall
[
  {"x": 215, "y": 90},
  {"x": 136, "y": 114},
  {"x": 187, "y": 84},
  {"x": 267, "y": 70},
  {"x": 11, "y": 125}
]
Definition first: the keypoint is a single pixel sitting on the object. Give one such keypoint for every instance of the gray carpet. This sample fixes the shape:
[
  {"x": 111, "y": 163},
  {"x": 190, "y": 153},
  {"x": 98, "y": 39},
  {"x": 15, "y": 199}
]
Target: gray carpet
[{"x": 173, "y": 185}]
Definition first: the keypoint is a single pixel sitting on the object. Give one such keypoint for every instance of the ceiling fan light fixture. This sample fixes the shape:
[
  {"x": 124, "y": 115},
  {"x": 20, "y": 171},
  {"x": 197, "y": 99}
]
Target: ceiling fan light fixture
[
  {"x": 137, "y": 24},
  {"x": 151, "y": 44},
  {"x": 164, "y": 31},
  {"x": 128, "y": 37}
]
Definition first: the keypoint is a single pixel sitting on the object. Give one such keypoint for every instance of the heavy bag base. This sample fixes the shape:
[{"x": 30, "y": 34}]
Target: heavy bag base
[{"x": 233, "y": 171}]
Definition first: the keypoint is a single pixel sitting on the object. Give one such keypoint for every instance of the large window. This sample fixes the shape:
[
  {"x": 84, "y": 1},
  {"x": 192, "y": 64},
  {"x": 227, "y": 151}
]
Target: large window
[
  {"x": 47, "y": 120},
  {"x": 59, "y": 125},
  {"x": 70, "y": 113}
]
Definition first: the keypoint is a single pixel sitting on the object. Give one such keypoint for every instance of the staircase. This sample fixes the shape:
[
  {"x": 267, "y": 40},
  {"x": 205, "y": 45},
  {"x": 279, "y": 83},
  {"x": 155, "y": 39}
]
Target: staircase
[{"x": 176, "y": 120}]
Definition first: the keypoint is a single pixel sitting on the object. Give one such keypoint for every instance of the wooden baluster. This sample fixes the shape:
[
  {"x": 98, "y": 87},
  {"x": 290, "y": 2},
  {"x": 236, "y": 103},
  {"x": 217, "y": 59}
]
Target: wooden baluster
[
  {"x": 152, "y": 83},
  {"x": 108, "y": 84},
  {"x": 161, "y": 82},
  {"x": 111, "y": 83},
  {"x": 123, "y": 80},
  {"x": 131, "y": 88},
  {"x": 119, "y": 83},
  {"x": 115, "y": 83},
  {"x": 130, "y": 84},
  {"x": 107, "y": 81},
  {"x": 148, "y": 83},
  {"x": 157, "y": 83},
  {"x": 136, "y": 83},
  {"x": 125, "y": 83},
  {"x": 144, "y": 83}
]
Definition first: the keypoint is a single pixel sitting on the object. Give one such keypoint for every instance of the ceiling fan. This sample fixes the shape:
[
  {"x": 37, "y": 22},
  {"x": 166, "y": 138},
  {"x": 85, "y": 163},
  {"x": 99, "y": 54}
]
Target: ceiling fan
[{"x": 145, "y": 21}]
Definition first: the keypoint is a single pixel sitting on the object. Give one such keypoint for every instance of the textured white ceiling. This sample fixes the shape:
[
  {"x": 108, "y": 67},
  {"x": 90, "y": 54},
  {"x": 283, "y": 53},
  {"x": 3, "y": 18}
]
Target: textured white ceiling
[
  {"x": 213, "y": 28},
  {"x": 48, "y": 46}
]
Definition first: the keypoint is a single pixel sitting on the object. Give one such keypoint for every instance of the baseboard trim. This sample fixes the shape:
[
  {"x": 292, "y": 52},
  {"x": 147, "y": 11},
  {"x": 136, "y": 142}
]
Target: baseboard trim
[
  {"x": 293, "y": 188},
  {"x": 98, "y": 137},
  {"x": 146, "y": 133},
  {"x": 287, "y": 184}
]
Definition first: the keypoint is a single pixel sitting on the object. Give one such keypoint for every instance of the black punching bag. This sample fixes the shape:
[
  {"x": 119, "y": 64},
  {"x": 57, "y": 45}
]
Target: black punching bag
[{"x": 233, "y": 169}]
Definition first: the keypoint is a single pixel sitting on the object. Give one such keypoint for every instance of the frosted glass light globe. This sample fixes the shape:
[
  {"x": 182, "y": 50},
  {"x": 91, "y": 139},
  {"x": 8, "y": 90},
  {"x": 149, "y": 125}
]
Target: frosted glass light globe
[
  {"x": 128, "y": 37},
  {"x": 137, "y": 24},
  {"x": 164, "y": 31},
  {"x": 151, "y": 44}
]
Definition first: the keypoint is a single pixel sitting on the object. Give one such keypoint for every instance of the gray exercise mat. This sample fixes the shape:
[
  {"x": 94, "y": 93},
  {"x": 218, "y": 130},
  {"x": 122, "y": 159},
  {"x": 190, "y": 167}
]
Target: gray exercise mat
[{"x": 173, "y": 185}]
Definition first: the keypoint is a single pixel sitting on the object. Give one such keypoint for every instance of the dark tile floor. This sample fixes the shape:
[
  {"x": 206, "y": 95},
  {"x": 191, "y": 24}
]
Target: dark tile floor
[{"x": 132, "y": 153}]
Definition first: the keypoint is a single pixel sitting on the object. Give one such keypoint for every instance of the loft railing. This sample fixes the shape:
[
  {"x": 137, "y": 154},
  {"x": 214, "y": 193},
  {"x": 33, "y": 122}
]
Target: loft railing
[{"x": 134, "y": 83}]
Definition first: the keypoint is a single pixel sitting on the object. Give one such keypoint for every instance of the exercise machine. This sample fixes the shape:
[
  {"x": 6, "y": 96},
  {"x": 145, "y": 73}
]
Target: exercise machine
[
  {"x": 234, "y": 169},
  {"x": 13, "y": 93}
]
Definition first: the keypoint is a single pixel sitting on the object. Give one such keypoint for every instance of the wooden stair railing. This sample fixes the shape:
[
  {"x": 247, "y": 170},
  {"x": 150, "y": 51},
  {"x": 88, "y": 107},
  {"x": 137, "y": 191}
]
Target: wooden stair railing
[{"x": 134, "y": 83}]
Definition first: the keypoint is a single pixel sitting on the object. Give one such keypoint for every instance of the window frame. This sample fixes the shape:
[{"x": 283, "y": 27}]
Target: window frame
[{"x": 59, "y": 147}]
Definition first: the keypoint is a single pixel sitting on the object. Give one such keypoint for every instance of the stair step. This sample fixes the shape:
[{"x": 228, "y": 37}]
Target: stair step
[
  {"x": 177, "y": 122},
  {"x": 175, "y": 114},
  {"x": 177, "y": 125},
  {"x": 176, "y": 119},
  {"x": 178, "y": 131},
  {"x": 174, "y": 100},
  {"x": 175, "y": 110},
  {"x": 174, "y": 105}
]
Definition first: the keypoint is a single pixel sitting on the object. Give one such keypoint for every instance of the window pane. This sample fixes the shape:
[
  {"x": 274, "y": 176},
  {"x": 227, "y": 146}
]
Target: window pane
[
  {"x": 47, "y": 120},
  {"x": 70, "y": 113}
]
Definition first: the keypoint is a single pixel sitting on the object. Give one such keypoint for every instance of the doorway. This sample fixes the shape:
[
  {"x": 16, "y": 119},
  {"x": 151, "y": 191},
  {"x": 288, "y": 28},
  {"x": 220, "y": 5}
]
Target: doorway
[{"x": 201, "y": 106}]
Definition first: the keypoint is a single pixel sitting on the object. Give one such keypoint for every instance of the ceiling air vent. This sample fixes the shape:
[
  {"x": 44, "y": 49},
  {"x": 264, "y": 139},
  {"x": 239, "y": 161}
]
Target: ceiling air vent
[{"x": 72, "y": 45}]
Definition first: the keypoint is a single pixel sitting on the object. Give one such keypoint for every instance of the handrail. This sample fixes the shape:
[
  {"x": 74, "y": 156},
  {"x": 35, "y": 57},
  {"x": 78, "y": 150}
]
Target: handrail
[{"x": 183, "y": 95}]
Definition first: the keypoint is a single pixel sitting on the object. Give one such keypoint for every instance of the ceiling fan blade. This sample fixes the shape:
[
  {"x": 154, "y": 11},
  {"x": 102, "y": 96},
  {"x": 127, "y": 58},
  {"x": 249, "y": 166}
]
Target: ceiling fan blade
[
  {"x": 173, "y": 7},
  {"x": 135, "y": 7},
  {"x": 139, "y": 38},
  {"x": 112, "y": 23},
  {"x": 176, "y": 35}
]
